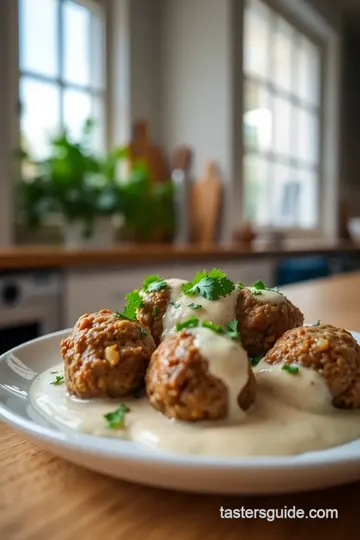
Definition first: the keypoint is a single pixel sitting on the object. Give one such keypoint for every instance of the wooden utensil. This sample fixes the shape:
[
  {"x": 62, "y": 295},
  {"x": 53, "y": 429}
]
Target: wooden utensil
[
  {"x": 141, "y": 147},
  {"x": 206, "y": 205}
]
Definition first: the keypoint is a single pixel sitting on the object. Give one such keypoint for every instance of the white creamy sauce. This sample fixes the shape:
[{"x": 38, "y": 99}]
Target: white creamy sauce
[
  {"x": 272, "y": 297},
  {"x": 217, "y": 311},
  {"x": 292, "y": 414}
]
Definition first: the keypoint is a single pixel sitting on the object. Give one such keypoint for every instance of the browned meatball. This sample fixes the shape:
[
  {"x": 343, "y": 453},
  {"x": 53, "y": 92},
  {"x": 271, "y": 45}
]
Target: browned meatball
[
  {"x": 261, "y": 323},
  {"x": 331, "y": 351},
  {"x": 106, "y": 356},
  {"x": 179, "y": 384},
  {"x": 152, "y": 311}
]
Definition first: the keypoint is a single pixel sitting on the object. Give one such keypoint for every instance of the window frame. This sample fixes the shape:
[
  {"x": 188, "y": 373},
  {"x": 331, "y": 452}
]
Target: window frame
[
  {"x": 60, "y": 81},
  {"x": 263, "y": 82}
]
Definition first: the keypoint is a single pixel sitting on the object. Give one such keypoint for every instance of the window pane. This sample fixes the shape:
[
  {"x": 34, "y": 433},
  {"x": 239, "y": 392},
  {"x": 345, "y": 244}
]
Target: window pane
[
  {"x": 283, "y": 128},
  {"x": 309, "y": 199},
  {"x": 77, "y": 27},
  {"x": 98, "y": 53},
  {"x": 256, "y": 39},
  {"x": 77, "y": 109},
  {"x": 40, "y": 115},
  {"x": 98, "y": 114},
  {"x": 256, "y": 182},
  {"x": 308, "y": 71},
  {"x": 38, "y": 36},
  {"x": 307, "y": 137},
  {"x": 257, "y": 119},
  {"x": 285, "y": 196},
  {"x": 283, "y": 39}
]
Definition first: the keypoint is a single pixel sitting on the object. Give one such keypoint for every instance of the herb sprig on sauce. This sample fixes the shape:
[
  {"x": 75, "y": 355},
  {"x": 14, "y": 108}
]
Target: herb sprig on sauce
[
  {"x": 116, "y": 419},
  {"x": 229, "y": 330},
  {"x": 259, "y": 286},
  {"x": 293, "y": 370},
  {"x": 59, "y": 379},
  {"x": 211, "y": 285}
]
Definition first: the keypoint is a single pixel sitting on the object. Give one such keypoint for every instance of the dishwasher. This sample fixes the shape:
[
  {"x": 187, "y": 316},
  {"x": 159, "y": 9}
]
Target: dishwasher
[{"x": 30, "y": 306}]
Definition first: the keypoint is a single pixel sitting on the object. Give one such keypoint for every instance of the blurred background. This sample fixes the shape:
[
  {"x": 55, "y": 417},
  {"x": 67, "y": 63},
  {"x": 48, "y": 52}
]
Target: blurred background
[{"x": 142, "y": 136}]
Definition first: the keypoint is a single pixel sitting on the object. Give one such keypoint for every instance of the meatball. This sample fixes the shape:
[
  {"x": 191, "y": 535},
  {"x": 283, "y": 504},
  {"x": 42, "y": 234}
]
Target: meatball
[
  {"x": 180, "y": 384},
  {"x": 151, "y": 313},
  {"x": 333, "y": 352},
  {"x": 106, "y": 356},
  {"x": 263, "y": 318}
]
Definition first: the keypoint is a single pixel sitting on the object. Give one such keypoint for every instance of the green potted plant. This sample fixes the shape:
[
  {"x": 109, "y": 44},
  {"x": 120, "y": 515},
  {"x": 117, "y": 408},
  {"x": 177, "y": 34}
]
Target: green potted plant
[{"x": 76, "y": 185}]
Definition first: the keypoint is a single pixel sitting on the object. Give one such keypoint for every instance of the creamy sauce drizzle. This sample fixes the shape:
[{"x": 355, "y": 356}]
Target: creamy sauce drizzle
[
  {"x": 217, "y": 311},
  {"x": 272, "y": 297},
  {"x": 292, "y": 414}
]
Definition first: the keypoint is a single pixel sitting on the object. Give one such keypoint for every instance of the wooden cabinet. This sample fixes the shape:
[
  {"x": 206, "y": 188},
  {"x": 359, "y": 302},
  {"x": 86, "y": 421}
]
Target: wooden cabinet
[{"x": 87, "y": 291}]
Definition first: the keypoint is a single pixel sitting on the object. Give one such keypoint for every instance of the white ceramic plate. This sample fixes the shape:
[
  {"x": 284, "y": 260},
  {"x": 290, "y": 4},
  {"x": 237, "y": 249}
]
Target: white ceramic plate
[{"x": 124, "y": 459}]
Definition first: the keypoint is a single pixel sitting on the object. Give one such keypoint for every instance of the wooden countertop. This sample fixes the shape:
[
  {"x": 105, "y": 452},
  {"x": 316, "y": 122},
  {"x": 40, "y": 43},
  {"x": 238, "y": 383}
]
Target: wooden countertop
[
  {"x": 22, "y": 257},
  {"x": 43, "y": 497}
]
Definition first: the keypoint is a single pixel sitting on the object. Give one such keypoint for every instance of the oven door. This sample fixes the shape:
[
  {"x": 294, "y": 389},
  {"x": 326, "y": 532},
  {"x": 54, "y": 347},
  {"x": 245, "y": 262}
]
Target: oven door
[{"x": 25, "y": 322}]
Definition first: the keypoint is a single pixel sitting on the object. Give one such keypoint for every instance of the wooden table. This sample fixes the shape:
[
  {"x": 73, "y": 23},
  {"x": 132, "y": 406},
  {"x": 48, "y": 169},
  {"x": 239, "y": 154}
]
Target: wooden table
[{"x": 45, "y": 498}]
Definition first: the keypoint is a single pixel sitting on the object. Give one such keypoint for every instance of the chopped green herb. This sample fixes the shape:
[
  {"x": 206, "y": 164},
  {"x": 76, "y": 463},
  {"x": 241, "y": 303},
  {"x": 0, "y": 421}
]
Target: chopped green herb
[
  {"x": 290, "y": 369},
  {"x": 257, "y": 292},
  {"x": 175, "y": 305},
  {"x": 231, "y": 329},
  {"x": 256, "y": 359},
  {"x": 240, "y": 285},
  {"x": 154, "y": 283},
  {"x": 191, "y": 322},
  {"x": 214, "y": 327},
  {"x": 134, "y": 301},
  {"x": 53, "y": 372},
  {"x": 155, "y": 310},
  {"x": 116, "y": 419},
  {"x": 210, "y": 285},
  {"x": 59, "y": 379},
  {"x": 317, "y": 323},
  {"x": 259, "y": 285},
  {"x": 144, "y": 332},
  {"x": 194, "y": 306}
]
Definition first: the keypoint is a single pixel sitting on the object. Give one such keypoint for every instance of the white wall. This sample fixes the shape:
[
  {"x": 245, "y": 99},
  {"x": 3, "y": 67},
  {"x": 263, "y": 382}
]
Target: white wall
[{"x": 196, "y": 68}]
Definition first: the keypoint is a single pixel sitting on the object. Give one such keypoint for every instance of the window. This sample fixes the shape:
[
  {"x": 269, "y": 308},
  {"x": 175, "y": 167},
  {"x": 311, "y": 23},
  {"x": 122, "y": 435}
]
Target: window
[
  {"x": 281, "y": 121},
  {"x": 62, "y": 80}
]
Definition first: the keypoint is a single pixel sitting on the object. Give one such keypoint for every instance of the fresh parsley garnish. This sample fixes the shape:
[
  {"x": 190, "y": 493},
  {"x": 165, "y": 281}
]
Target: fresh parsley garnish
[
  {"x": 116, "y": 419},
  {"x": 231, "y": 329},
  {"x": 154, "y": 283},
  {"x": 256, "y": 359},
  {"x": 290, "y": 369},
  {"x": 191, "y": 322},
  {"x": 134, "y": 301},
  {"x": 317, "y": 323},
  {"x": 59, "y": 379},
  {"x": 240, "y": 285},
  {"x": 144, "y": 332},
  {"x": 214, "y": 327},
  {"x": 257, "y": 292},
  {"x": 210, "y": 285},
  {"x": 259, "y": 285},
  {"x": 155, "y": 310},
  {"x": 194, "y": 306}
]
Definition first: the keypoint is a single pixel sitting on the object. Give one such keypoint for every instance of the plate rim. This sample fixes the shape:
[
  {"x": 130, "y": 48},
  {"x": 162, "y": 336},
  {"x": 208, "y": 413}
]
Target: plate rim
[{"x": 116, "y": 449}]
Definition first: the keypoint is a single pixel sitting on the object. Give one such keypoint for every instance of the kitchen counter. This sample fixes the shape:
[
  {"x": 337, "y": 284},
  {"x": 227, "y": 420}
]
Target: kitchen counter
[
  {"x": 24, "y": 257},
  {"x": 44, "y": 496}
]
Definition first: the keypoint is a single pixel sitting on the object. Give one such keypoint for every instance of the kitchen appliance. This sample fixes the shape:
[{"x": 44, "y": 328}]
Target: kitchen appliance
[{"x": 30, "y": 306}]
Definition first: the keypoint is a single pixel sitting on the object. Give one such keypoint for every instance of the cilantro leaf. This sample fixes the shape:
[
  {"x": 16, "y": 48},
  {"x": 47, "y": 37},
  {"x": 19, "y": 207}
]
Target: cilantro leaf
[
  {"x": 154, "y": 283},
  {"x": 256, "y": 359},
  {"x": 290, "y": 369},
  {"x": 116, "y": 419},
  {"x": 134, "y": 301},
  {"x": 59, "y": 379},
  {"x": 210, "y": 285},
  {"x": 257, "y": 292},
  {"x": 240, "y": 285},
  {"x": 259, "y": 285},
  {"x": 191, "y": 322},
  {"x": 144, "y": 332},
  {"x": 155, "y": 310},
  {"x": 194, "y": 306},
  {"x": 231, "y": 329}
]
